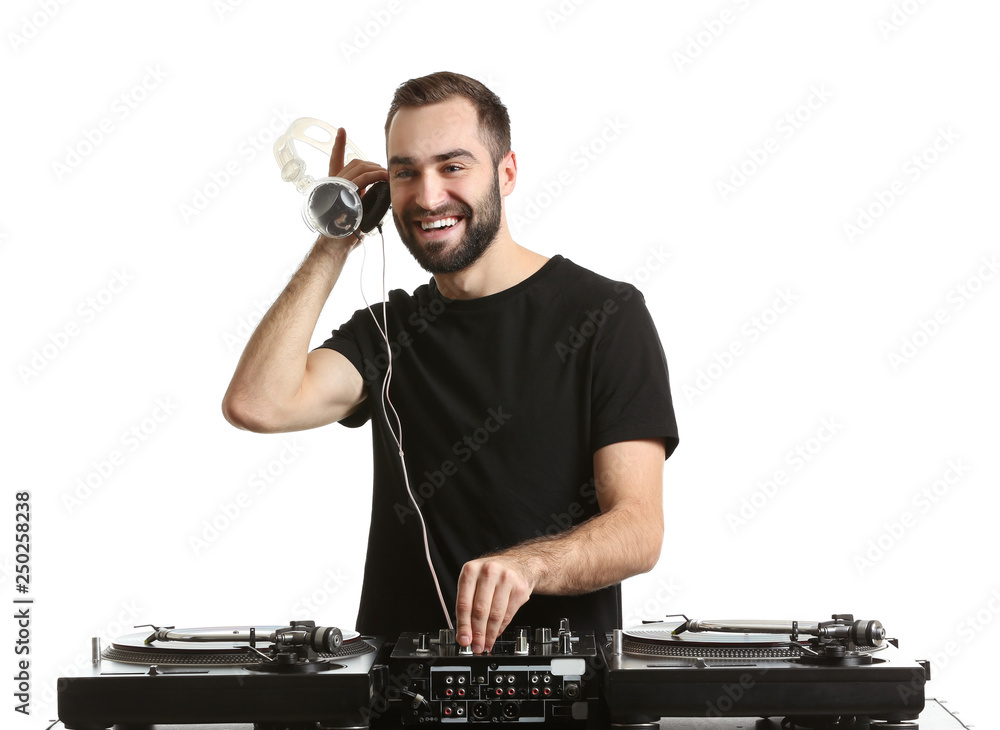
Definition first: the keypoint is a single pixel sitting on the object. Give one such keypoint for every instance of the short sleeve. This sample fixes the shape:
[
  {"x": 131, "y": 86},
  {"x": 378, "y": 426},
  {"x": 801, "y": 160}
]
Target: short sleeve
[
  {"x": 344, "y": 340},
  {"x": 630, "y": 395}
]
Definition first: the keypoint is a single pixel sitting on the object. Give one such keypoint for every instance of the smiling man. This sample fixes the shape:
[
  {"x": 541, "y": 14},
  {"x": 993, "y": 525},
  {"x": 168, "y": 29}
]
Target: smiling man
[{"x": 531, "y": 395}]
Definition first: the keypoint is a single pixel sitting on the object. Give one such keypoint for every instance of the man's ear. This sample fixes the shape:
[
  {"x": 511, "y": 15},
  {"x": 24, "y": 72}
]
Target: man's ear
[{"x": 507, "y": 173}]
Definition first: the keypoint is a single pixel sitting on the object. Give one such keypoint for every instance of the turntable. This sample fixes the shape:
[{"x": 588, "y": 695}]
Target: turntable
[
  {"x": 272, "y": 676},
  {"x": 836, "y": 673}
]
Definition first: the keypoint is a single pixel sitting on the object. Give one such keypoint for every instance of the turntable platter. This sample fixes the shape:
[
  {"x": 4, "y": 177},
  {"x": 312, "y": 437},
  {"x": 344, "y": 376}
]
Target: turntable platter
[
  {"x": 198, "y": 648},
  {"x": 657, "y": 640},
  {"x": 662, "y": 633}
]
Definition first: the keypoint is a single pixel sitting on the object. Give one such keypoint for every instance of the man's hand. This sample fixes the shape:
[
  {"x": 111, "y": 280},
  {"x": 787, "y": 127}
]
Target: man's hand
[
  {"x": 490, "y": 591},
  {"x": 362, "y": 173}
]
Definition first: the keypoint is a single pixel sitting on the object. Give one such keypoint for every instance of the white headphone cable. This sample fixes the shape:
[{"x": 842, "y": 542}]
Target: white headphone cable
[{"x": 384, "y": 330}]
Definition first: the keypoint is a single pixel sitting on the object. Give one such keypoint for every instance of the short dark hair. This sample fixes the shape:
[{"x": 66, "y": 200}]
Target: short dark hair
[{"x": 494, "y": 123}]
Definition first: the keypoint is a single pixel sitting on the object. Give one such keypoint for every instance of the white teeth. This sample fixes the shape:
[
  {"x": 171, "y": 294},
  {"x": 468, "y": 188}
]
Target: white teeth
[{"x": 441, "y": 223}]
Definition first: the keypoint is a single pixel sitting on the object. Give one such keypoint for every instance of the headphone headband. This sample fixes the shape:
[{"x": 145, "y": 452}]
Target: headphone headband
[
  {"x": 293, "y": 167},
  {"x": 333, "y": 206}
]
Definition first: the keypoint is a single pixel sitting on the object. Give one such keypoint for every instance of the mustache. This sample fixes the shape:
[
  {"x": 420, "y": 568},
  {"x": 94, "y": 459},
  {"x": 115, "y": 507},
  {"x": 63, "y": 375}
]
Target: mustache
[{"x": 452, "y": 210}]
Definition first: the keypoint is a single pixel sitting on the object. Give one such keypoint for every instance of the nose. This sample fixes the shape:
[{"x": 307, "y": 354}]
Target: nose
[{"x": 431, "y": 193}]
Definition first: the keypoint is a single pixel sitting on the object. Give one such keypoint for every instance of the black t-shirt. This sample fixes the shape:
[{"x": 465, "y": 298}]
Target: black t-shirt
[{"x": 503, "y": 401}]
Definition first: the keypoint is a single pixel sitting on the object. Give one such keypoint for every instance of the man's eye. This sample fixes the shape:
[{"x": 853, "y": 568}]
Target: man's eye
[
  {"x": 453, "y": 168},
  {"x": 402, "y": 173}
]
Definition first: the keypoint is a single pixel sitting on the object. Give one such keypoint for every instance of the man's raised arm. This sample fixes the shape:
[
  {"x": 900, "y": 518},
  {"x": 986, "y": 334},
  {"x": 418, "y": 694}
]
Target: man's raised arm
[{"x": 278, "y": 384}]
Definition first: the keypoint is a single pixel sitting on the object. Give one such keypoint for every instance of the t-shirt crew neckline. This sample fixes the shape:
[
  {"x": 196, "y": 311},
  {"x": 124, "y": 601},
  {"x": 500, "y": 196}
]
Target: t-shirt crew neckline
[{"x": 500, "y": 296}]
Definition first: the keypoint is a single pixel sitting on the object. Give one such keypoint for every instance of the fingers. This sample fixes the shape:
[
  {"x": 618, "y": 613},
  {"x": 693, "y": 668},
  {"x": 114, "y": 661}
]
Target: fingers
[
  {"x": 489, "y": 594},
  {"x": 467, "y": 581},
  {"x": 337, "y": 155},
  {"x": 363, "y": 173},
  {"x": 488, "y": 618},
  {"x": 360, "y": 172}
]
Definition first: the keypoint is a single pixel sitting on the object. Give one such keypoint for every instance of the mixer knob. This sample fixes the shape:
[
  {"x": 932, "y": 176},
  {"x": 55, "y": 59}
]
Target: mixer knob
[
  {"x": 446, "y": 637},
  {"x": 565, "y": 643},
  {"x": 521, "y": 645}
]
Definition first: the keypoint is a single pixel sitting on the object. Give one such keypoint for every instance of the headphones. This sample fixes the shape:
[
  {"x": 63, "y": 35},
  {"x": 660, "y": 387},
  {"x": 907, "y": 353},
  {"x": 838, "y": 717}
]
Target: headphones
[{"x": 333, "y": 207}]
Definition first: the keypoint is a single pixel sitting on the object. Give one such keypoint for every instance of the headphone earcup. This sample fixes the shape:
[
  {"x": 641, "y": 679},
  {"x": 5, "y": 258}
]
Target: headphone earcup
[{"x": 376, "y": 203}]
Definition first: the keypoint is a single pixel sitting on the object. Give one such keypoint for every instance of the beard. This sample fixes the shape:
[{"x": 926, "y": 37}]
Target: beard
[{"x": 481, "y": 227}]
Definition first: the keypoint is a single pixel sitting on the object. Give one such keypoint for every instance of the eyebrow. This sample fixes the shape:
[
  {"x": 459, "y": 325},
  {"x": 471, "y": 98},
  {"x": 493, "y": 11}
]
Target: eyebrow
[{"x": 444, "y": 156}]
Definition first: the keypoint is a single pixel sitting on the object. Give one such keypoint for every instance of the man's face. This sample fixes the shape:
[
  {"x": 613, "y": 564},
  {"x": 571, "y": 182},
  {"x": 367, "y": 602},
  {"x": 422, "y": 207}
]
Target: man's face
[{"x": 446, "y": 200}]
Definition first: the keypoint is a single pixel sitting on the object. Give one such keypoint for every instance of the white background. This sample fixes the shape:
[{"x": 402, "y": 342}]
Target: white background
[{"x": 627, "y": 123}]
